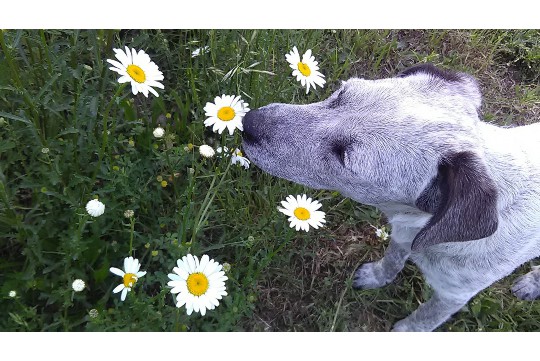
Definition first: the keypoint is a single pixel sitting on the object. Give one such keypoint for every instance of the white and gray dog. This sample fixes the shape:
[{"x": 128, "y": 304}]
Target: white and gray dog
[{"x": 462, "y": 196}]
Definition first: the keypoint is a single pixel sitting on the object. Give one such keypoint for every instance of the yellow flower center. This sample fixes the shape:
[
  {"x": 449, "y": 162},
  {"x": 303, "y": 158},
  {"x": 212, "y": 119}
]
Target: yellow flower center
[
  {"x": 136, "y": 73},
  {"x": 304, "y": 69},
  {"x": 129, "y": 280},
  {"x": 239, "y": 154},
  {"x": 226, "y": 114},
  {"x": 197, "y": 284},
  {"x": 301, "y": 213}
]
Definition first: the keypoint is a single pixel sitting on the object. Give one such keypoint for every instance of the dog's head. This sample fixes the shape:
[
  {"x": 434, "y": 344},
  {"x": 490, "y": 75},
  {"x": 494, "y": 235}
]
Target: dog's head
[{"x": 411, "y": 140}]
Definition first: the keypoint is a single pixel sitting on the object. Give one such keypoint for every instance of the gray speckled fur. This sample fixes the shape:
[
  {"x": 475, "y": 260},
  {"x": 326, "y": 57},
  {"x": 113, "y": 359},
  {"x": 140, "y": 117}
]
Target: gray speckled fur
[{"x": 381, "y": 142}]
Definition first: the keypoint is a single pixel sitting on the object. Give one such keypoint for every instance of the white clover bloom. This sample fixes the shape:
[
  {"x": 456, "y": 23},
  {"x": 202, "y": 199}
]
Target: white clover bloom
[
  {"x": 200, "y": 51},
  {"x": 159, "y": 132},
  {"x": 198, "y": 285},
  {"x": 227, "y": 111},
  {"x": 239, "y": 158},
  {"x": 129, "y": 213},
  {"x": 78, "y": 285},
  {"x": 95, "y": 208},
  {"x": 207, "y": 151},
  {"x": 302, "y": 212},
  {"x": 129, "y": 277},
  {"x": 44, "y": 150},
  {"x": 305, "y": 70},
  {"x": 137, "y": 68},
  {"x": 12, "y": 294}
]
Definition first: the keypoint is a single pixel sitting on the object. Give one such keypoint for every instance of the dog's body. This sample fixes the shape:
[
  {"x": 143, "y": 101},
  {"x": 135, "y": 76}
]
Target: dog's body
[{"x": 462, "y": 196}]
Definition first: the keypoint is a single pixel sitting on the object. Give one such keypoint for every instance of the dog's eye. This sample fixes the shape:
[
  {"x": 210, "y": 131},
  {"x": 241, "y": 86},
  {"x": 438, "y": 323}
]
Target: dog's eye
[
  {"x": 340, "y": 152},
  {"x": 336, "y": 100}
]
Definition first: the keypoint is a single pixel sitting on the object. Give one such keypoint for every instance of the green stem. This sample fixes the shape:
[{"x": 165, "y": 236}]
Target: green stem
[
  {"x": 105, "y": 136},
  {"x": 207, "y": 201},
  {"x": 132, "y": 230}
]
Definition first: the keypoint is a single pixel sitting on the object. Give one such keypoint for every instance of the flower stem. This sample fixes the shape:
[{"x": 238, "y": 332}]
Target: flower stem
[
  {"x": 105, "y": 136},
  {"x": 207, "y": 201},
  {"x": 132, "y": 229}
]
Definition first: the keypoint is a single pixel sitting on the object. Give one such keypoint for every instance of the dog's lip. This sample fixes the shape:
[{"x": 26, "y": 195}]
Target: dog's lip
[{"x": 249, "y": 139}]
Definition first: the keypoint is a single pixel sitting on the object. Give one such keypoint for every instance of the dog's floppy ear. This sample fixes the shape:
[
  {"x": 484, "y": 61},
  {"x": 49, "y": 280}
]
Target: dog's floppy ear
[{"x": 463, "y": 201}]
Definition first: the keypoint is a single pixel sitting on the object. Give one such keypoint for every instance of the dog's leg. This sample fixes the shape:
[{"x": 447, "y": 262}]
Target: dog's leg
[
  {"x": 382, "y": 272},
  {"x": 527, "y": 287},
  {"x": 431, "y": 314}
]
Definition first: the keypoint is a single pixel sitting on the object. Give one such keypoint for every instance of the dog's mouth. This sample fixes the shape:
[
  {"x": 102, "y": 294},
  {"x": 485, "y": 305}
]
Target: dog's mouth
[{"x": 248, "y": 138}]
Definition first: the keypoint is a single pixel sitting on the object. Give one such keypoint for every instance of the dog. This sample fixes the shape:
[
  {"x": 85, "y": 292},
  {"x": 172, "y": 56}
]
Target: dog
[{"x": 462, "y": 196}]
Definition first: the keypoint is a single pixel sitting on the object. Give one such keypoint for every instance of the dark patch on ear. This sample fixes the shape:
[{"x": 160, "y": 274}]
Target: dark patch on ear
[
  {"x": 435, "y": 192},
  {"x": 432, "y": 70},
  {"x": 463, "y": 201}
]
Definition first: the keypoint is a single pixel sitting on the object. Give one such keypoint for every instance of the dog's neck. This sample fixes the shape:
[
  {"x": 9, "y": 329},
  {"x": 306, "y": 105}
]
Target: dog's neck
[{"x": 510, "y": 159}]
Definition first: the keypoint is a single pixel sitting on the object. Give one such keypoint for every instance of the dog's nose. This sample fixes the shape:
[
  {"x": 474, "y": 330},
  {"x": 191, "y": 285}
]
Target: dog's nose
[{"x": 252, "y": 125}]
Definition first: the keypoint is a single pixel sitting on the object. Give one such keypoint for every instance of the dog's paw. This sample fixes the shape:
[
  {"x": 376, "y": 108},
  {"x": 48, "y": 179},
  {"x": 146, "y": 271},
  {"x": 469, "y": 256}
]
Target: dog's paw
[
  {"x": 527, "y": 287},
  {"x": 370, "y": 275},
  {"x": 403, "y": 326}
]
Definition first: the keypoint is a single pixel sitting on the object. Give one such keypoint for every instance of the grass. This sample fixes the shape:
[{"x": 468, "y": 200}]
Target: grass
[{"x": 56, "y": 92}]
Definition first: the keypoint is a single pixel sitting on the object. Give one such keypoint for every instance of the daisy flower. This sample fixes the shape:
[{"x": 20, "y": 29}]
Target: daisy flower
[
  {"x": 158, "y": 132},
  {"x": 78, "y": 285},
  {"x": 239, "y": 158},
  {"x": 206, "y": 151},
  {"x": 302, "y": 212},
  {"x": 129, "y": 277},
  {"x": 305, "y": 70},
  {"x": 198, "y": 285},
  {"x": 138, "y": 69},
  {"x": 95, "y": 208},
  {"x": 236, "y": 157},
  {"x": 227, "y": 111}
]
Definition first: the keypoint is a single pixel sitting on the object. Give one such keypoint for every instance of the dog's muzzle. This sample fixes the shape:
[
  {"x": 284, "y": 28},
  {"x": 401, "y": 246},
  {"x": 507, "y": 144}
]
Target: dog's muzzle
[{"x": 252, "y": 127}]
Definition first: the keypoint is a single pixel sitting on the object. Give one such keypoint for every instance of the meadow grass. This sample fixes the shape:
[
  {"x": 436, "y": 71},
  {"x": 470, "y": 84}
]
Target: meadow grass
[{"x": 69, "y": 133}]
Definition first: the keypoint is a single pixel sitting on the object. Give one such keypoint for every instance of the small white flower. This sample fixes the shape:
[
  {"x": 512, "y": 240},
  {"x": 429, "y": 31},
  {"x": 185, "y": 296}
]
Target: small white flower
[
  {"x": 93, "y": 313},
  {"x": 44, "y": 150},
  {"x": 381, "y": 233},
  {"x": 227, "y": 111},
  {"x": 239, "y": 158},
  {"x": 159, "y": 132},
  {"x": 199, "y": 285},
  {"x": 200, "y": 51},
  {"x": 12, "y": 294},
  {"x": 226, "y": 267},
  {"x": 129, "y": 213},
  {"x": 78, "y": 285},
  {"x": 137, "y": 68},
  {"x": 305, "y": 70},
  {"x": 129, "y": 277},
  {"x": 207, "y": 151},
  {"x": 221, "y": 150},
  {"x": 95, "y": 208},
  {"x": 302, "y": 212}
]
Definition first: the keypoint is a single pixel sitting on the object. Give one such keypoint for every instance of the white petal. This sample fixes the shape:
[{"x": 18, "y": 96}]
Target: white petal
[
  {"x": 117, "y": 271},
  {"x": 124, "y": 293},
  {"x": 118, "y": 288}
]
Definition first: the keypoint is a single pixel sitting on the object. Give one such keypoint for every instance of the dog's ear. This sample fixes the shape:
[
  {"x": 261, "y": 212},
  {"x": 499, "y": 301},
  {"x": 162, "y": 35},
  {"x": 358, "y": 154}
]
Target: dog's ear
[{"x": 463, "y": 201}]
